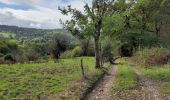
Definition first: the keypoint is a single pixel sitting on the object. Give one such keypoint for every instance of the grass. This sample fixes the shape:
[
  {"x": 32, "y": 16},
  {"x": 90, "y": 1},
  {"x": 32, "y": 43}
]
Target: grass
[
  {"x": 126, "y": 83},
  {"x": 161, "y": 74},
  {"x": 166, "y": 89},
  {"x": 125, "y": 79},
  {"x": 153, "y": 63},
  {"x": 157, "y": 73},
  {"x": 30, "y": 81}
]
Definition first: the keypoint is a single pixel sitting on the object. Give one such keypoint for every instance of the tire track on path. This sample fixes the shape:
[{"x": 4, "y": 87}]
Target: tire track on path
[{"x": 103, "y": 89}]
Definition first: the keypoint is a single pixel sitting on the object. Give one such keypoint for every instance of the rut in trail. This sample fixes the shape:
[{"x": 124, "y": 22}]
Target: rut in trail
[
  {"x": 150, "y": 85},
  {"x": 103, "y": 89}
]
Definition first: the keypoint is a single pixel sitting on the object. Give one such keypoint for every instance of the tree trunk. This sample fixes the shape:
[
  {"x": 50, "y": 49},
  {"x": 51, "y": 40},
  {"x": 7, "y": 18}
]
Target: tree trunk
[
  {"x": 157, "y": 33},
  {"x": 157, "y": 29},
  {"x": 101, "y": 58},
  {"x": 97, "y": 52}
]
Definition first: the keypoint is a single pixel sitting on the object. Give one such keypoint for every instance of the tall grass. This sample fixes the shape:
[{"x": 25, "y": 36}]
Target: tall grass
[{"x": 151, "y": 56}]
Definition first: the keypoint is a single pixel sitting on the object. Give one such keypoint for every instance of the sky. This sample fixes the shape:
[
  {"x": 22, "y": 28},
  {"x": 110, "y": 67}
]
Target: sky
[{"x": 42, "y": 14}]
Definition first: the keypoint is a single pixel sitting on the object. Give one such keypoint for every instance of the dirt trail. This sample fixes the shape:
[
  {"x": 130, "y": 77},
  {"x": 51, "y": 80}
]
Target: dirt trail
[
  {"x": 150, "y": 85},
  {"x": 103, "y": 89}
]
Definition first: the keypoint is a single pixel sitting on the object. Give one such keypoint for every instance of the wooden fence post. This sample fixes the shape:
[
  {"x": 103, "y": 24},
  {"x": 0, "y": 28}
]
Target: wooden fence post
[{"x": 82, "y": 68}]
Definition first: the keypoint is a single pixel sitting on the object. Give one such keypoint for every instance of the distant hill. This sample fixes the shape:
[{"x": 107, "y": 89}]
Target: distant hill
[
  {"x": 28, "y": 34},
  {"x": 25, "y": 32}
]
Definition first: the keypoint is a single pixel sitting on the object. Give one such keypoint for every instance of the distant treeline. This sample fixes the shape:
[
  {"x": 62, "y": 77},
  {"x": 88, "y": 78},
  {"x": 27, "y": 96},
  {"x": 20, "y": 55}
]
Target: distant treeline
[{"x": 48, "y": 44}]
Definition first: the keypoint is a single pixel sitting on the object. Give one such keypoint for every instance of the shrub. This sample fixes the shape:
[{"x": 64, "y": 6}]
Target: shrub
[
  {"x": 77, "y": 51},
  {"x": 60, "y": 44},
  {"x": 126, "y": 50},
  {"x": 152, "y": 57},
  {"x": 1, "y": 55},
  {"x": 4, "y": 48},
  {"x": 9, "y": 57},
  {"x": 67, "y": 54},
  {"x": 8, "y": 46},
  {"x": 21, "y": 58},
  {"x": 2, "y": 61},
  {"x": 32, "y": 55},
  {"x": 107, "y": 51},
  {"x": 87, "y": 46},
  {"x": 91, "y": 51}
]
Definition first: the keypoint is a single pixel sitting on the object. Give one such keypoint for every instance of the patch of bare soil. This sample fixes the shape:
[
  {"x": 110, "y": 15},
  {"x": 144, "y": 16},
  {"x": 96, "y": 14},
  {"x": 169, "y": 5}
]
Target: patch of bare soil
[
  {"x": 103, "y": 89},
  {"x": 151, "y": 86}
]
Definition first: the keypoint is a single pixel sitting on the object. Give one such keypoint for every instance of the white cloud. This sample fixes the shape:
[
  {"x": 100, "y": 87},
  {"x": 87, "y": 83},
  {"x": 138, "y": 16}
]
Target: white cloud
[
  {"x": 41, "y": 16},
  {"x": 35, "y": 25},
  {"x": 44, "y": 15}
]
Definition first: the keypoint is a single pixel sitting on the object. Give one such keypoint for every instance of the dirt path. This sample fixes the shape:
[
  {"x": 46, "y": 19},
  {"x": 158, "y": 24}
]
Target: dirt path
[
  {"x": 103, "y": 90},
  {"x": 149, "y": 85}
]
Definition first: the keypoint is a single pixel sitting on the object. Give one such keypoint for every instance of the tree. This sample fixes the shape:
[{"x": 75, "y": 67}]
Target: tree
[
  {"x": 60, "y": 44},
  {"x": 151, "y": 14},
  {"x": 8, "y": 46},
  {"x": 88, "y": 23},
  {"x": 137, "y": 21},
  {"x": 160, "y": 15}
]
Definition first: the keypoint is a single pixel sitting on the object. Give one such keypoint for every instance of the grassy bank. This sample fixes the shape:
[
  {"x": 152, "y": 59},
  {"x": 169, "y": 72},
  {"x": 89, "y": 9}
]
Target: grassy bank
[
  {"x": 154, "y": 64},
  {"x": 161, "y": 75},
  {"x": 150, "y": 57},
  {"x": 33, "y": 81},
  {"x": 158, "y": 73}
]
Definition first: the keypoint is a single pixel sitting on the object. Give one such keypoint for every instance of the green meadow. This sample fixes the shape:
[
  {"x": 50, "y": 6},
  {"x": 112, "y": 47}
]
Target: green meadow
[{"x": 30, "y": 81}]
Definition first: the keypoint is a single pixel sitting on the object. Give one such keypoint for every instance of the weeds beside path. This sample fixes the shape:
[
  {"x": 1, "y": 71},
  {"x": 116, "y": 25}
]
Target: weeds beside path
[{"x": 150, "y": 85}]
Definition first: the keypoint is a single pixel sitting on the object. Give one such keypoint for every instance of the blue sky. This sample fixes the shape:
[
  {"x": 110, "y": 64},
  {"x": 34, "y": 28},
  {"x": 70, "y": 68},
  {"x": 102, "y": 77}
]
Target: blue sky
[
  {"x": 14, "y": 6},
  {"x": 35, "y": 13}
]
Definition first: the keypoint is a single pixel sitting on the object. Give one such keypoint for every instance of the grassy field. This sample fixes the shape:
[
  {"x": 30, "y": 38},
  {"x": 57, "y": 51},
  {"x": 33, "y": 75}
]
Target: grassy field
[
  {"x": 160, "y": 74},
  {"x": 31, "y": 81}
]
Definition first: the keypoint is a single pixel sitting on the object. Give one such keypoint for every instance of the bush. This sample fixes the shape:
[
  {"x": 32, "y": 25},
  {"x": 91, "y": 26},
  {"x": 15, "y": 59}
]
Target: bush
[
  {"x": 67, "y": 54},
  {"x": 107, "y": 51},
  {"x": 21, "y": 58},
  {"x": 32, "y": 55},
  {"x": 2, "y": 61},
  {"x": 152, "y": 57},
  {"x": 9, "y": 57},
  {"x": 91, "y": 51},
  {"x": 60, "y": 44},
  {"x": 126, "y": 50},
  {"x": 1, "y": 55},
  {"x": 8, "y": 46},
  {"x": 87, "y": 46},
  {"x": 77, "y": 51}
]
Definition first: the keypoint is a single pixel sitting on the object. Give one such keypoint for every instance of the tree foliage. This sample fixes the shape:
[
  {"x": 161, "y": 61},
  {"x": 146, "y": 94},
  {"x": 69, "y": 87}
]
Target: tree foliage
[{"x": 89, "y": 22}]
